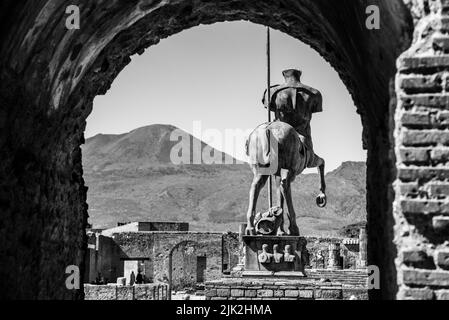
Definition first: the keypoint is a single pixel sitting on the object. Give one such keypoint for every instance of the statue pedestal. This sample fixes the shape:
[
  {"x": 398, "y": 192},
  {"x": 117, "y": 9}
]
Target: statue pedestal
[{"x": 274, "y": 256}]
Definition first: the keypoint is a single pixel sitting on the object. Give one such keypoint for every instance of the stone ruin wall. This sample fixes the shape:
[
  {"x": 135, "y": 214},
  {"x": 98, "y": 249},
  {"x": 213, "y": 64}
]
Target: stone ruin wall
[
  {"x": 157, "y": 291},
  {"x": 210, "y": 243}
]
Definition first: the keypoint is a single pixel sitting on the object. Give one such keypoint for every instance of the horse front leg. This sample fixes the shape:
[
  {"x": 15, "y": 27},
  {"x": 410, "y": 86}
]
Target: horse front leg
[
  {"x": 321, "y": 200},
  {"x": 256, "y": 186}
]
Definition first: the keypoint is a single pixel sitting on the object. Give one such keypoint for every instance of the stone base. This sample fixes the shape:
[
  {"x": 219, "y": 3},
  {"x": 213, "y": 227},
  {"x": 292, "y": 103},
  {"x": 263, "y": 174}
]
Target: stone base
[
  {"x": 274, "y": 254},
  {"x": 271, "y": 289}
]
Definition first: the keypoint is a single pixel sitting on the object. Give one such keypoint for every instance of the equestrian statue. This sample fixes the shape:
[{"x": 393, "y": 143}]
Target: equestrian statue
[{"x": 282, "y": 149}]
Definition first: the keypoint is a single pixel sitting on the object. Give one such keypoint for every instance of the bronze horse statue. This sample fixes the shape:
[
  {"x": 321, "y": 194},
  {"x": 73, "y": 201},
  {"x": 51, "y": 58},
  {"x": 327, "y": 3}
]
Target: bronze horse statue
[{"x": 277, "y": 149}]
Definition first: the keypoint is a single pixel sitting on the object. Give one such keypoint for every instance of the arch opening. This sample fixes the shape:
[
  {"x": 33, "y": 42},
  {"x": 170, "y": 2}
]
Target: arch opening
[{"x": 83, "y": 64}]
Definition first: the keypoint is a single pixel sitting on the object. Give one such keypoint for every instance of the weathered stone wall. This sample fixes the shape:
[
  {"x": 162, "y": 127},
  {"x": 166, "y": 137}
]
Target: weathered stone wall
[
  {"x": 153, "y": 291},
  {"x": 204, "y": 243},
  {"x": 147, "y": 226},
  {"x": 232, "y": 246},
  {"x": 421, "y": 209}
]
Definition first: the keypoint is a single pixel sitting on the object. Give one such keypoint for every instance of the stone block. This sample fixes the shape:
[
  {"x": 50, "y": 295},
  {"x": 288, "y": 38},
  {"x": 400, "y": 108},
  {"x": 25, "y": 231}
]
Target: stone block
[
  {"x": 292, "y": 293},
  {"x": 223, "y": 292},
  {"x": 103, "y": 292},
  {"x": 265, "y": 293},
  {"x": 306, "y": 294},
  {"x": 140, "y": 292},
  {"x": 211, "y": 292},
  {"x": 237, "y": 293},
  {"x": 278, "y": 293},
  {"x": 331, "y": 294},
  {"x": 125, "y": 293},
  {"x": 250, "y": 293}
]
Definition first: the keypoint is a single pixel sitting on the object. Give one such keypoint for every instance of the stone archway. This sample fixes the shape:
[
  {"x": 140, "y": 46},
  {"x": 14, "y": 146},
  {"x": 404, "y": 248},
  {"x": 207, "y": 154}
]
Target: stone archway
[
  {"x": 187, "y": 265},
  {"x": 50, "y": 77}
]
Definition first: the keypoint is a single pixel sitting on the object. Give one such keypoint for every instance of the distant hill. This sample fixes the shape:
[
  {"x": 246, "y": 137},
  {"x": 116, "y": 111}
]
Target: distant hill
[{"x": 131, "y": 178}]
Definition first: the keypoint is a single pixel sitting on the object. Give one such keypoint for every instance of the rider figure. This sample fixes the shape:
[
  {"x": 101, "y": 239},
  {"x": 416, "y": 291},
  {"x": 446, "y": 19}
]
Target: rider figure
[{"x": 294, "y": 103}]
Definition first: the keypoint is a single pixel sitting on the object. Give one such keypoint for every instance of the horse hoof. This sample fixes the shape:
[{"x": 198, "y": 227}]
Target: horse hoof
[
  {"x": 321, "y": 200},
  {"x": 294, "y": 232},
  {"x": 250, "y": 231}
]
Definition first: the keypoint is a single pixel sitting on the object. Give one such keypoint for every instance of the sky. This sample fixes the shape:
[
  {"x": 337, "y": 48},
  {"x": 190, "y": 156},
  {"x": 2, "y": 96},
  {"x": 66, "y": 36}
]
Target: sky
[{"x": 213, "y": 77}]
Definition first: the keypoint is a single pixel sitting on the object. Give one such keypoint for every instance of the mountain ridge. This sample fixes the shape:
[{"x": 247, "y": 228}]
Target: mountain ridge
[{"x": 131, "y": 178}]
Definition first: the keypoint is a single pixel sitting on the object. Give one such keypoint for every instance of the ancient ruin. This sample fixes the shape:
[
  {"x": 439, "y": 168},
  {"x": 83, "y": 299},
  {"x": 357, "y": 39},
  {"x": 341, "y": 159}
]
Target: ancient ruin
[
  {"x": 50, "y": 75},
  {"x": 171, "y": 259}
]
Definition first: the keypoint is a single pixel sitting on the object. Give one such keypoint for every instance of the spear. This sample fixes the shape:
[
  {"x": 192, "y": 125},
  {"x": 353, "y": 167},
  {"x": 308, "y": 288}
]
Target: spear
[{"x": 270, "y": 192}]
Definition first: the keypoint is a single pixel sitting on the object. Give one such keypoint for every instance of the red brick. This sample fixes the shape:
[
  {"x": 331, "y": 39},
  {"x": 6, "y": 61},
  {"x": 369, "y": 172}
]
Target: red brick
[
  {"x": 414, "y": 84},
  {"x": 410, "y": 63},
  {"x": 436, "y": 189},
  {"x": 415, "y": 206},
  {"x": 223, "y": 292},
  {"x": 426, "y": 277},
  {"x": 416, "y": 294},
  {"x": 415, "y": 118},
  {"x": 414, "y": 155},
  {"x": 432, "y": 101},
  {"x": 424, "y": 137},
  {"x": 410, "y": 188},
  {"x": 415, "y": 257},
  {"x": 413, "y": 173},
  {"x": 439, "y": 154},
  {"x": 292, "y": 293}
]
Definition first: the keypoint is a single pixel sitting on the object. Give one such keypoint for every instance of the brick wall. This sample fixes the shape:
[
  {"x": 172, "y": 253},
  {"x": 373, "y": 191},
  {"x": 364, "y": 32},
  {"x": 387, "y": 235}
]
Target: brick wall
[{"x": 421, "y": 209}]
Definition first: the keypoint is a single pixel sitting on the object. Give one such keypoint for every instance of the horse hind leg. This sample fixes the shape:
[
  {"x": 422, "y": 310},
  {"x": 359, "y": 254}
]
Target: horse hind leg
[
  {"x": 256, "y": 186},
  {"x": 286, "y": 191},
  {"x": 280, "y": 198}
]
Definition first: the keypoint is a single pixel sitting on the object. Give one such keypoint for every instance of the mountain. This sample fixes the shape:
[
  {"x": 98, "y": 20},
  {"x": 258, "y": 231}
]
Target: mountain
[{"x": 132, "y": 178}]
